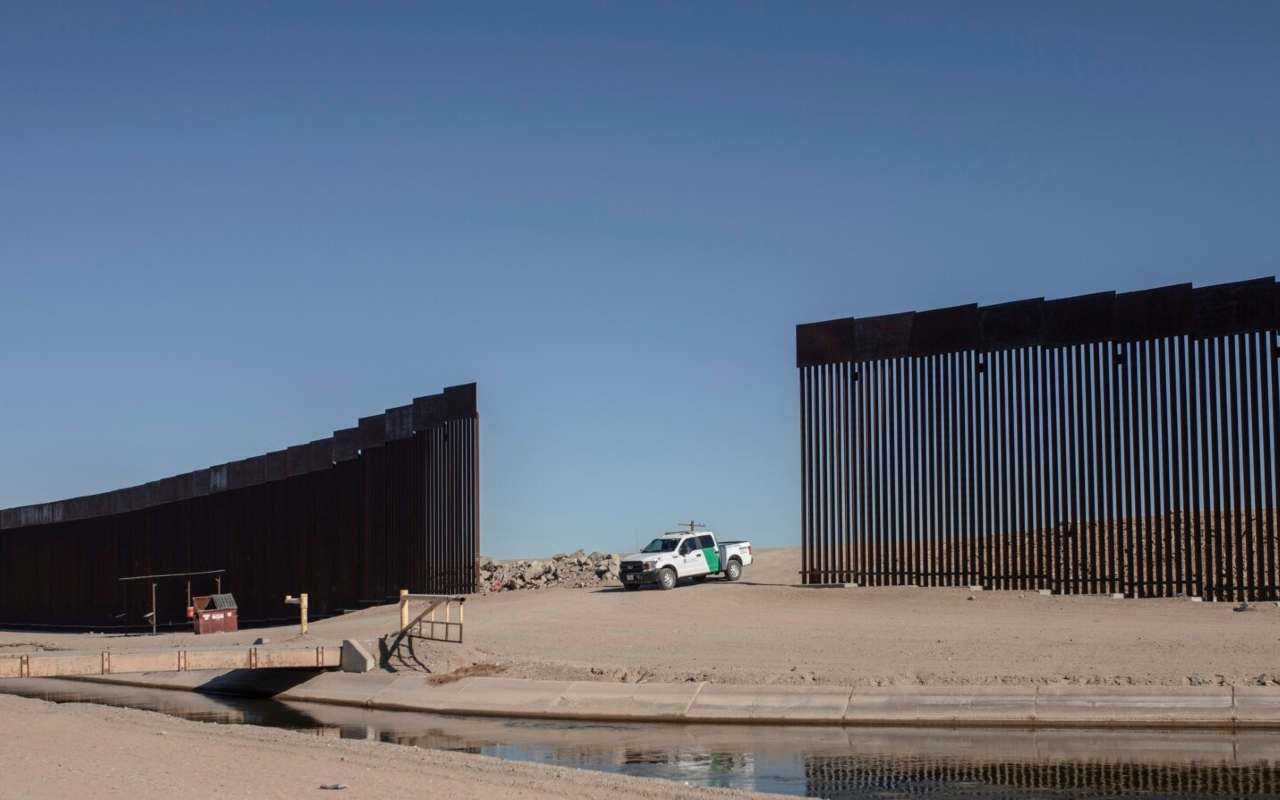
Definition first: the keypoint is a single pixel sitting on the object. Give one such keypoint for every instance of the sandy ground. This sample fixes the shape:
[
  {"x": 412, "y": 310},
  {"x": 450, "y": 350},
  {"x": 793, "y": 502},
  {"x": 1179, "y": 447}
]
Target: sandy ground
[
  {"x": 57, "y": 751},
  {"x": 765, "y": 629}
]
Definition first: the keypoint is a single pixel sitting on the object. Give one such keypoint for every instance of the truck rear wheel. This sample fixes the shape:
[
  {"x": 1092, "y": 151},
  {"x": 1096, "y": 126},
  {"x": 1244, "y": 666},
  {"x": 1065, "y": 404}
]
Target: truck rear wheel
[
  {"x": 734, "y": 570},
  {"x": 667, "y": 579}
]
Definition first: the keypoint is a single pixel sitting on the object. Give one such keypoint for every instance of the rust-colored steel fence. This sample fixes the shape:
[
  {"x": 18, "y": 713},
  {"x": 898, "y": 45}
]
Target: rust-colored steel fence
[
  {"x": 390, "y": 504},
  {"x": 1105, "y": 443}
]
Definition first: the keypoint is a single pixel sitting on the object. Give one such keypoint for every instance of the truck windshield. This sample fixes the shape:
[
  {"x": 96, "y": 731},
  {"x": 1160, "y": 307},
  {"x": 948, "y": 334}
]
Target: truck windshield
[{"x": 660, "y": 546}]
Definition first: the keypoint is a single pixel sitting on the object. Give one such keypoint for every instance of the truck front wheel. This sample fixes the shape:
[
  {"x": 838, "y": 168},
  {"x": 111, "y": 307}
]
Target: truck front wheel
[
  {"x": 667, "y": 579},
  {"x": 734, "y": 570}
]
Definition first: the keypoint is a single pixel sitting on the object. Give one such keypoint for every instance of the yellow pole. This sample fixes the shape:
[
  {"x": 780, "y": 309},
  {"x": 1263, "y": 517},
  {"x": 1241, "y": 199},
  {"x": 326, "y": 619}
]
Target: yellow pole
[
  {"x": 404, "y": 609},
  {"x": 302, "y": 605}
]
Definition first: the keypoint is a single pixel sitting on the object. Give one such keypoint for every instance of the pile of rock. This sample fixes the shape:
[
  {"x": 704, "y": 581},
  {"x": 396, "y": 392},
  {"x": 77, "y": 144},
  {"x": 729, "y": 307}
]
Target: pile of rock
[{"x": 573, "y": 570}]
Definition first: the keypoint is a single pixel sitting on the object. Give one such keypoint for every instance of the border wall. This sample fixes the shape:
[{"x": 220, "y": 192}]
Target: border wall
[
  {"x": 350, "y": 519},
  {"x": 1105, "y": 443}
]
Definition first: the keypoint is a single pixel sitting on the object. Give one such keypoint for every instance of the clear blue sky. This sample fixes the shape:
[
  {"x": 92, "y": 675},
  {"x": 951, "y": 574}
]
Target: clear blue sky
[{"x": 226, "y": 228}]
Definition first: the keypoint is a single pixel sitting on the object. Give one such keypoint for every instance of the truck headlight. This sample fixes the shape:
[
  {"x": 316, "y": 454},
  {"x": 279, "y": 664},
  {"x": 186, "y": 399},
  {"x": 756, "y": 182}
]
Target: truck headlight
[{"x": 648, "y": 565}]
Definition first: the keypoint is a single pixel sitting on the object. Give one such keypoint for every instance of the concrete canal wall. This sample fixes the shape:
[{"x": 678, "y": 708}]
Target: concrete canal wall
[{"x": 1214, "y": 707}]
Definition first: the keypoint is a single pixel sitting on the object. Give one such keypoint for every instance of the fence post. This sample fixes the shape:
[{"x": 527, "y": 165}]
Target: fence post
[{"x": 301, "y": 602}]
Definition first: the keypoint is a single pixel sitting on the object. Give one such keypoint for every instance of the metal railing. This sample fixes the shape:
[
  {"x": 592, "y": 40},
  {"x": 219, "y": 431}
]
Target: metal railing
[{"x": 425, "y": 625}]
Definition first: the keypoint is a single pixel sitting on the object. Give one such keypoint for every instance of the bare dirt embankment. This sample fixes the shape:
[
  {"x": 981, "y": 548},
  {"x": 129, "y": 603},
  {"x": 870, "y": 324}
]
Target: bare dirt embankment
[
  {"x": 57, "y": 751},
  {"x": 766, "y": 630}
]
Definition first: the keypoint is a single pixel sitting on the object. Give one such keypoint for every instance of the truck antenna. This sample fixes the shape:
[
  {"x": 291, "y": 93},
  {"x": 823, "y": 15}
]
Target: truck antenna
[{"x": 691, "y": 525}]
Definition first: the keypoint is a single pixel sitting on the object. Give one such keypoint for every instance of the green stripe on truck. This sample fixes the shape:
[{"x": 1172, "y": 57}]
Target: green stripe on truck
[{"x": 713, "y": 558}]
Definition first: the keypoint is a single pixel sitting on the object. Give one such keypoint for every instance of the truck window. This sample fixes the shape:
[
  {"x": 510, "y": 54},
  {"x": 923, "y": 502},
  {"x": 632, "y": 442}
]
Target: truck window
[
  {"x": 688, "y": 546},
  {"x": 706, "y": 540},
  {"x": 660, "y": 545}
]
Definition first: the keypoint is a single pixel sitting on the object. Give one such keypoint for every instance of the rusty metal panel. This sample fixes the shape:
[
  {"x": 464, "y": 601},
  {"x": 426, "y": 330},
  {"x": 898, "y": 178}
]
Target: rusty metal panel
[
  {"x": 428, "y": 411},
  {"x": 295, "y": 460},
  {"x": 181, "y": 487},
  {"x": 1229, "y": 308},
  {"x": 1154, "y": 313},
  {"x": 944, "y": 330},
  {"x": 218, "y": 478},
  {"x": 201, "y": 482},
  {"x": 119, "y": 500},
  {"x": 93, "y": 505},
  {"x": 460, "y": 401},
  {"x": 319, "y": 454},
  {"x": 373, "y": 533},
  {"x": 399, "y": 422},
  {"x": 1079, "y": 320},
  {"x": 398, "y": 512},
  {"x": 346, "y": 444},
  {"x": 824, "y": 342},
  {"x": 347, "y": 548},
  {"x": 76, "y": 508},
  {"x": 888, "y": 336},
  {"x": 139, "y": 497},
  {"x": 276, "y": 465},
  {"x": 373, "y": 431},
  {"x": 246, "y": 472},
  {"x": 1008, "y": 326},
  {"x": 163, "y": 491}
]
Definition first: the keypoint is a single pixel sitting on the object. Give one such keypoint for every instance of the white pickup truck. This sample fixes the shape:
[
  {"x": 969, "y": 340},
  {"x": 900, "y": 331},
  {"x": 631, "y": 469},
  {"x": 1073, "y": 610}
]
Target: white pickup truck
[{"x": 673, "y": 556}]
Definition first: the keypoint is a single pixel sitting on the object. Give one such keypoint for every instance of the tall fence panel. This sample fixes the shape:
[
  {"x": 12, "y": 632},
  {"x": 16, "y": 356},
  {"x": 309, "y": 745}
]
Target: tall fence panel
[
  {"x": 1096, "y": 444},
  {"x": 392, "y": 503}
]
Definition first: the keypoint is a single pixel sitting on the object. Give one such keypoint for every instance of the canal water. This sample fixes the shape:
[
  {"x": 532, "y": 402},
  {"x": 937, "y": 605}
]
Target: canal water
[{"x": 896, "y": 763}]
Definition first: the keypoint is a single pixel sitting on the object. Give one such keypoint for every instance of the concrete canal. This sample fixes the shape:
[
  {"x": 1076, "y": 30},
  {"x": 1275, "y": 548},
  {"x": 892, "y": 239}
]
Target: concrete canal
[{"x": 818, "y": 762}]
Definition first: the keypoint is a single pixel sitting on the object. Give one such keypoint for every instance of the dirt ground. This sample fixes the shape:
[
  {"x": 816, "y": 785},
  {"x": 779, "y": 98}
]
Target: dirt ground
[
  {"x": 52, "y": 751},
  {"x": 765, "y": 629}
]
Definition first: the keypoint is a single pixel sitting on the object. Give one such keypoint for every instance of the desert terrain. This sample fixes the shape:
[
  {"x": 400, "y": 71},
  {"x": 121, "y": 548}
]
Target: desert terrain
[
  {"x": 765, "y": 629},
  {"x": 76, "y": 750}
]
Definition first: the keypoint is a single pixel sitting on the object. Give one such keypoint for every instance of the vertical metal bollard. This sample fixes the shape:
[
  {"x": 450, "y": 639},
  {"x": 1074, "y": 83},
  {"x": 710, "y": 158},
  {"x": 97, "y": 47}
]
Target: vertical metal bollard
[{"x": 404, "y": 609}]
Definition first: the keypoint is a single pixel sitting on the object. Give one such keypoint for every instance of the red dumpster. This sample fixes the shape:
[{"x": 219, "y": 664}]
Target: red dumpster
[{"x": 215, "y": 613}]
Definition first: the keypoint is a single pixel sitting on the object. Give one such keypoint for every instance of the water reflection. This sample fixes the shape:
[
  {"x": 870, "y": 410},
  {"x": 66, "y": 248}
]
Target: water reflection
[{"x": 821, "y": 762}]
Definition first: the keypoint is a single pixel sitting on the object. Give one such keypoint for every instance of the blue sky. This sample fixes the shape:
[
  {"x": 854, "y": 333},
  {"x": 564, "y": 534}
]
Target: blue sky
[{"x": 226, "y": 228}]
